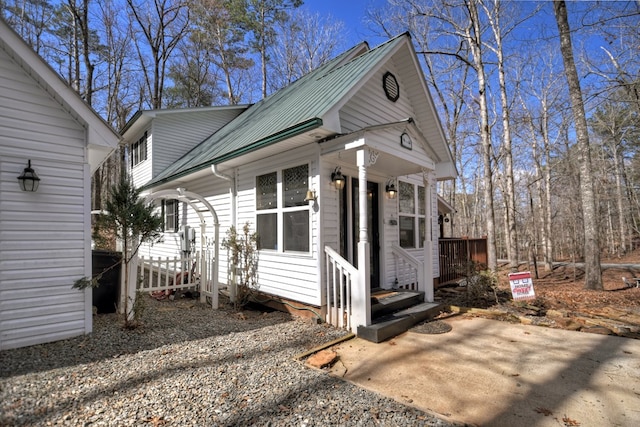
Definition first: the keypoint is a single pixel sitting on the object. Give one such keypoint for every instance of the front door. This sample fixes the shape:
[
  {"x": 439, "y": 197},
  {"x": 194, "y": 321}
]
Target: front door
[{"x": 372, "y": 226}]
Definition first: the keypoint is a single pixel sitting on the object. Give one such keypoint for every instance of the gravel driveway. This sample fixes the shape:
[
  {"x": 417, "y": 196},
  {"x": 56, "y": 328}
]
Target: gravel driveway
[{"x": 189, "y": 366}]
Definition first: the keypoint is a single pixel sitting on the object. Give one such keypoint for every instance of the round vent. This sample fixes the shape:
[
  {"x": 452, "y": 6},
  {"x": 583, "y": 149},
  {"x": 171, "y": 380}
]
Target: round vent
[{"x": 391, "y": 87}]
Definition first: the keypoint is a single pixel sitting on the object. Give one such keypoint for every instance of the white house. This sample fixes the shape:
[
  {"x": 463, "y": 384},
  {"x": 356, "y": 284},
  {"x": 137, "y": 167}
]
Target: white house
[
  {"x": 337, "y": 173},
  {"x": 45, "y": 236}
]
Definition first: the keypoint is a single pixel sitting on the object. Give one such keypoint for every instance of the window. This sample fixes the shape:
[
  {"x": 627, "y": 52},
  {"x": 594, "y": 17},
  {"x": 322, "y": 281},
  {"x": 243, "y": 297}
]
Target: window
[
  {"x": 412, "y": 215},
  {"x": 138, "y": 150},
  {"x": 170, "y": 213},
  {"x": 282, "y": 213}
]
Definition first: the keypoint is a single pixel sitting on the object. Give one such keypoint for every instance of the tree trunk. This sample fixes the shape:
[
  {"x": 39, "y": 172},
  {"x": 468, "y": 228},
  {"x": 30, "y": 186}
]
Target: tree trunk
[
  {"x": 475, "y": 42},
  {"x": 593, "y": 271}
]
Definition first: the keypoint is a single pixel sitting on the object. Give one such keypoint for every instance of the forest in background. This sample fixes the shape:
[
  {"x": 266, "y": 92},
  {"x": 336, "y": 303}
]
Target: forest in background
[{"x": 496, "y": 71}]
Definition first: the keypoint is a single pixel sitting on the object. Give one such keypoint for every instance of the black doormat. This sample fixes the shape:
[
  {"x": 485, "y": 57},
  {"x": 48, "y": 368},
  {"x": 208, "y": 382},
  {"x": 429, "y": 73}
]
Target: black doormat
[{"x": 431, "y": 327}]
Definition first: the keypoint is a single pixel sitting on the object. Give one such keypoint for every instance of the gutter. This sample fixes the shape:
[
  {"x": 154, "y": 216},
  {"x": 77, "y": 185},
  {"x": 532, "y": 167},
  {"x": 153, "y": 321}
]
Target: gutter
[{"x": 232, "y": 190}]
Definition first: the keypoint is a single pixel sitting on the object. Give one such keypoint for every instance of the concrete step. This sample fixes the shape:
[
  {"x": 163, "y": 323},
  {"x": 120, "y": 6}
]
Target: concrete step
[
  {"x": 389, "y": 301},
  {"x": 396, "y": 323}
]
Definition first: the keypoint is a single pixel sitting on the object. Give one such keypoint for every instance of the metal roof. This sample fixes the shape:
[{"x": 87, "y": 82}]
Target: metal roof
[{"x": 290, "y": 111}]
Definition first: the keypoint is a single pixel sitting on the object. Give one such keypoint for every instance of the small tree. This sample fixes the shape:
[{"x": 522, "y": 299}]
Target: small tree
[
  {"x": 243, "y": 260},
  {"x": 132, "y": 222}
]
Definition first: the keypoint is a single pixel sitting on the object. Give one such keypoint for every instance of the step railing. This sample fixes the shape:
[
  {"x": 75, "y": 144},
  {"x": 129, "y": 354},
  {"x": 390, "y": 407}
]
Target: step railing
[
  {"x": 341, "y": 276},
  {"x": 409, "y": 269}
]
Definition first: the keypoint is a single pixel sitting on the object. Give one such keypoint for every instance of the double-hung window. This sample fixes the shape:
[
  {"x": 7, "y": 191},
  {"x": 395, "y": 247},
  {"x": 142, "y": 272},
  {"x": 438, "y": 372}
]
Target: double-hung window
[
  {"x": 282, "y": 214},
  {"x": 412, "y": 215},
  {"x": 170, "y": 213},
  {"x": 138, "y": 152}
]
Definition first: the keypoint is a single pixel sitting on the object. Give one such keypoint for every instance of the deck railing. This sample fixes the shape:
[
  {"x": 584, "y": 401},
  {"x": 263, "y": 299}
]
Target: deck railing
[
  {"x": 409, "y": 270},
  {"x": 457, "y": 256},
  {"x": 341, "y": 276}
]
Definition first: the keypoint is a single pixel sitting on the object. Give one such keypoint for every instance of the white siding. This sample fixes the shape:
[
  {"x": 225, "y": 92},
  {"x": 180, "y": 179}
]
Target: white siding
[
  {"x": 141, "y": 173},
  {"x": 293, "y": 276},
  {"x": 44, "y": 236},
  {"x": 370, "y": 106}
]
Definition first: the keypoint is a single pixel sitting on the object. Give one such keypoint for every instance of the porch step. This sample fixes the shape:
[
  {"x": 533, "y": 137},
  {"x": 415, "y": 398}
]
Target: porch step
[
  {"x": 389, "y": 301},
  {"x": 396, "y": 323}
]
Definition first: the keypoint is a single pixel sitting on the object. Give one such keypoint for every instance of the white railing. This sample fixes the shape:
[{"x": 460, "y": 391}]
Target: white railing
[
  {"x": 195, "y": 270},
  {"x": 341, "y": 277},
  {"x": 409, "y": 270}
]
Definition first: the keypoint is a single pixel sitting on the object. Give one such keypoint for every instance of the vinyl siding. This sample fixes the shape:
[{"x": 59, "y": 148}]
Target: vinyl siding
[
  {"x": 44, "y": 236},
  {"x": 289, "y": 275}
]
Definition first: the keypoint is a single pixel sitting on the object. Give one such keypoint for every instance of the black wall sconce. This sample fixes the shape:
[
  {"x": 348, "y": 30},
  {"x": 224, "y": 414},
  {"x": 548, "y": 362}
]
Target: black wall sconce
[
  {"x": 390, "y": 188},
  {"x": 29, "y": 180},
  {"x": 337, "y": 178}
]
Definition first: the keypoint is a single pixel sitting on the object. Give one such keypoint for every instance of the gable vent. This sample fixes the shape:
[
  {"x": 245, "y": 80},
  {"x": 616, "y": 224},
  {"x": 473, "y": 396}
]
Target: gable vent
[{"x": 391, "y": 87}]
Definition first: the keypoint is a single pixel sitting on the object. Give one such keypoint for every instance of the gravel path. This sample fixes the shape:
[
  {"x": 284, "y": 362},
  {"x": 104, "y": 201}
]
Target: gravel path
[{"x": 189, "y": 366}]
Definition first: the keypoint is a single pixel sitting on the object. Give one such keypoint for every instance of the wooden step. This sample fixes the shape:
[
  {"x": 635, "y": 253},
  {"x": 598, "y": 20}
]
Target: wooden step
[
  {"x": 389, "y": 301},
  {"x": 396, "y": 323}
]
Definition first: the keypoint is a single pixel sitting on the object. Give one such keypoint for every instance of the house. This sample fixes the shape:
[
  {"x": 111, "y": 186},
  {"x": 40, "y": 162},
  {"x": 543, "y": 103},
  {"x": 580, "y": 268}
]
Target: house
[
  {"x": 45, "y": 235},
  {"x": 336, "y": 173}
]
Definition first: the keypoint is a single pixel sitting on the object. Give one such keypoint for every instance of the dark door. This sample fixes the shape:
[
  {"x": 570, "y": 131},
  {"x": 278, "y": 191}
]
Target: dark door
[{"x": 372, "y": 226}]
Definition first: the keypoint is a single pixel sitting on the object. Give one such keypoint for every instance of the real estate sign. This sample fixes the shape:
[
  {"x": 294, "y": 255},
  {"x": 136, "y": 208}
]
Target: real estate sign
[{"x": 521, "y": 286}]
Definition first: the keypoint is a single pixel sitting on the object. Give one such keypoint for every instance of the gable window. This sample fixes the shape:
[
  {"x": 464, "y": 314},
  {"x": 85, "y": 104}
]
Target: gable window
[
  {"x": 412, "y": 215},
  {"x": 282, "y": 215},
  {"x": 170, "y": 213},
  {"x": 138, "y": 150}
]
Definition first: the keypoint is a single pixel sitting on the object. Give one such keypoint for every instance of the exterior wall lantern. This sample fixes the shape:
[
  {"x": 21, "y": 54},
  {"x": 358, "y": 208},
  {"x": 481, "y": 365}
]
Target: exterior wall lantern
[
  {"x": 390, "y": 188},
  {"x": 337, "y": 178},
  {"x": 29, "y": 180}
]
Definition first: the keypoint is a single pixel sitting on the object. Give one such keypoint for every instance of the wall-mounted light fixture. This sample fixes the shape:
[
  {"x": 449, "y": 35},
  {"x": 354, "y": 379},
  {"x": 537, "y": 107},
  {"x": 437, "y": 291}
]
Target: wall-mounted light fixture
[
  {"x": 337, "y": 178},
  {"x": 390, "y": 188},
  {"x": 311, "y": 195},
  {"x": 29, "y": 180}
]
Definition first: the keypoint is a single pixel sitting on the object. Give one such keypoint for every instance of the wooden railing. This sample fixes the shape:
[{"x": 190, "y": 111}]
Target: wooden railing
[
  {"x": 457, "y": 256},
  {"x": 341, "y": 276},
  {"x": 409, "y": 270}
]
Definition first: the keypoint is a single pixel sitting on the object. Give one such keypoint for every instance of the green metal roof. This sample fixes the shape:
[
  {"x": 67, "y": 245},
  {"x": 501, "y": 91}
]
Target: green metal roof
[{"x": 290, "y": 111}]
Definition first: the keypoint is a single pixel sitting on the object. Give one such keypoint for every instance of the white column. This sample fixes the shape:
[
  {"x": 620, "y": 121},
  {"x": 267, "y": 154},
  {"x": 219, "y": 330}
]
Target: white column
[
  {"x": 361, "y": 294},
  {"x": 428, "y": 240}
]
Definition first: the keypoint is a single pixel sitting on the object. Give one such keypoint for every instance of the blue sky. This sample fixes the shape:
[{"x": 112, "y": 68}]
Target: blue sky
[{"x": 351, "y": 12}]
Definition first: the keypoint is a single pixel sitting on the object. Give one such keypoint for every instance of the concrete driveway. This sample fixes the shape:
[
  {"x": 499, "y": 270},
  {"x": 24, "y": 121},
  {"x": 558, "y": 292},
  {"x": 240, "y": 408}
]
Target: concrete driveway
[{"x": 491, "y": 373}]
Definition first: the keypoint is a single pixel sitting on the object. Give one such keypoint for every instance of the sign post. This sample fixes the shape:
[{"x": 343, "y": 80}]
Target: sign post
[{"x": 521, "y": 286}]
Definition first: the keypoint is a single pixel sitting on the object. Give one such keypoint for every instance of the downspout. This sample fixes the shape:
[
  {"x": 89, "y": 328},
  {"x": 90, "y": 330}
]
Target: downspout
[
  {"x": 232, "y": 191},
  {"x": 232, "y": 196}
]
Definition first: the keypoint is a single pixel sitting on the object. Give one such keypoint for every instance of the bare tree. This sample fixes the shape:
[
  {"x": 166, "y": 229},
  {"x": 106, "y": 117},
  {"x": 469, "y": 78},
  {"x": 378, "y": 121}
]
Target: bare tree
[
  {"x": 593, "y": 269},
  {"x": 163, "y": 24}
]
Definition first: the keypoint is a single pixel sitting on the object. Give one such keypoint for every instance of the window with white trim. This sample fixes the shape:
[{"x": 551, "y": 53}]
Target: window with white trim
[
  {"x": 282, "y": 215},
  {"x": 138, "y": 151},
  {"x": 170, "y": 213},
  {"x": 412, "y": 215}
]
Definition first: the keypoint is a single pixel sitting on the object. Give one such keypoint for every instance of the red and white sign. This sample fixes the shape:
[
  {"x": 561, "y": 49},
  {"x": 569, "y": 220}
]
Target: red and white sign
[{"x": 521, "y": 286}]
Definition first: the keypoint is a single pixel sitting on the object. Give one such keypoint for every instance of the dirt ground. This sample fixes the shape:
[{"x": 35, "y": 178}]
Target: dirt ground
[{"x": 561, "y": 300}]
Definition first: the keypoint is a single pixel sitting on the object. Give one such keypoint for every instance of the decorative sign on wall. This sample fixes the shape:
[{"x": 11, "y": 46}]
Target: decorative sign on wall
[
  {"x": 521, "y": 286},
  {"x": 405, "y": 141}
]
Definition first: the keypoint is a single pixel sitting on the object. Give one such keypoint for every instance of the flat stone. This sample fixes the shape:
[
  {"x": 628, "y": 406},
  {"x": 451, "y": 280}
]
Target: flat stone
[{"x": 322, "y": 358}]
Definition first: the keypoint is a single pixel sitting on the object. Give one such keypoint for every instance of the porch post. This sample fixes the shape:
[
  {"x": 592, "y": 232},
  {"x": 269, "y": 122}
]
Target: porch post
[
  {"x": 361, "y": 294},
  {"x": 428, "y": 236}
]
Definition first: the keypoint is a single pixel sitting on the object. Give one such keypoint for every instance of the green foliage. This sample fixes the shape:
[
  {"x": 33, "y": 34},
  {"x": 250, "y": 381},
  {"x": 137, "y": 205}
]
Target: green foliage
[
  {"x": 243, "y": 260},
  {"x": 133, "y": 222}
]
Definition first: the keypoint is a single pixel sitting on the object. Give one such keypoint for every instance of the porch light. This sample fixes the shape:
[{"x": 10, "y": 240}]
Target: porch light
[
  {"x": 29, "y": 180},
  {"x": 337, "y": 178},
  {"x": 391, "y": 189}
]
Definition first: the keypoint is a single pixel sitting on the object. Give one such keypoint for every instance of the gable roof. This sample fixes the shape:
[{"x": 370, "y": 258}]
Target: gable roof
[
  {"x": 290, "y": 111},
  {"x": 101, "y": 137}
]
